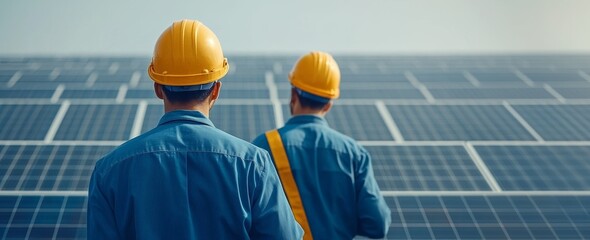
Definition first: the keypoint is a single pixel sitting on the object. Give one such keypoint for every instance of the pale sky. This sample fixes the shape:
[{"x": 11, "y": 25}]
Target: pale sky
[{"x": 119, "y": 27}]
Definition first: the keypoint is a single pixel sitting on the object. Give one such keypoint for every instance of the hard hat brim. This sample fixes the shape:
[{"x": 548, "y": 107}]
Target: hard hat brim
[{"x": 188, "y": 79}]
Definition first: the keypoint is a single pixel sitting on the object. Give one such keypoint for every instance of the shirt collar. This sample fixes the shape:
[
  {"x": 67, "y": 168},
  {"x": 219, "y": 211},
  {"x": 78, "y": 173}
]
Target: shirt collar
[
  {"x": 303, "y": 119},
  {"x": 185, "y": 115}
]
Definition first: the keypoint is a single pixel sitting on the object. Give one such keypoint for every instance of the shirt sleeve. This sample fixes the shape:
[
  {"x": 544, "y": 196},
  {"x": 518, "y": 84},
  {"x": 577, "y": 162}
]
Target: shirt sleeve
[
  {"x": 374, "y": 216},
  {"x": 272, "y": 217},
  {"x": 100, "y": 218}
]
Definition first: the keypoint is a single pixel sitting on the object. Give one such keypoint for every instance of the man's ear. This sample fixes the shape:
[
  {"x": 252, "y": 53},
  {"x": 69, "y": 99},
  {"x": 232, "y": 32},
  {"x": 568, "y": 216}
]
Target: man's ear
[
  {"x": 158, "y": 90},
  {"x": 216, "y": 90},
  {"x": 328, "y": 106},
  {"x": 294, "y": 96}
]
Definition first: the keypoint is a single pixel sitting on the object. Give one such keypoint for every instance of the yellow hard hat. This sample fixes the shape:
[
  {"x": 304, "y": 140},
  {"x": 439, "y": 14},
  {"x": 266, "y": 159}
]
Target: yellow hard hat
[
  {"x": 187, "y": 53},
  {"x": 317, "y": 73}
]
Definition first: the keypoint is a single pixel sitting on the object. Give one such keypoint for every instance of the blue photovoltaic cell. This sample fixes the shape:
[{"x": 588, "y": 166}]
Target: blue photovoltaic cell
[
  {"x": 425, "y": 168},
  {"x": 30, "y": 81},
  {"x": 538, "y": 167},
  {"x": 33, "y": 78},
  {"x": 243, "y": 93},
  {"x": 250, "y": 76},
  {"x": 555, "y": 77},
  {"x": 361, "y": 78},
  {"x": 97, "y": 122},
  {"x": 436, "y": 78},
  {"x": 498, "y": 78},
  {"x": 574, "y": 92},
  {"x": 47, "y": 167},
  {"x": 140, "y": 94},
  {"x": 361, "y": 122},
  {"x": 457, "y": 122},
  {"x": 26, "y": 122},
  {"x": 374, "y": 81},
  {"x": 558, "y": 122},
  {"x": 95, "y": 93},
  {"x": 5, "y": 77},
  {"x": 381, "y": 94},
  {"x": 68, "y": 78},
  {"x": 43, "y": 217},
  {"x": 153, "y": 113},
  {"x": 28, "y": 94},
  {"x": 121, "y": 77},
  {"x": 491, "y": 93},
  {"x": 243, "y": 121}
]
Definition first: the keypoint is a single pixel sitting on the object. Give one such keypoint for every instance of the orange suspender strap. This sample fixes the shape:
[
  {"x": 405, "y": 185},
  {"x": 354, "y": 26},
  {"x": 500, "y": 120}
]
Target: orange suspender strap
[{"x": 284, "y": 169}]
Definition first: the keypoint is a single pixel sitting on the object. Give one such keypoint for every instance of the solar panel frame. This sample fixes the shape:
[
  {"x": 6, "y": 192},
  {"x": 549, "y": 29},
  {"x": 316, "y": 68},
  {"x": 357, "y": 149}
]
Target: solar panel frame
[
  {"x": 27, "y": 122},
  {"x": 538, "y": 168},
  {"x": 97, "y": 122},
  {"x": 425, "y": 168}
]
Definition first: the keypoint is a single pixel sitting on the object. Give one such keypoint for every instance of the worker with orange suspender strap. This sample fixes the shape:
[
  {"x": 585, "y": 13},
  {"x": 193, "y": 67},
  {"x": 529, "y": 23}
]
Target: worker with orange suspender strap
[{"x": 327, "y": 176}]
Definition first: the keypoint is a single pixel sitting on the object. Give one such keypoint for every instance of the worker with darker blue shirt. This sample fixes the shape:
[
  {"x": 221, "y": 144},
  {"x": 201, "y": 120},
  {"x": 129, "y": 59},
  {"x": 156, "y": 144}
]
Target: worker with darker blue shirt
[
  {"x": 186, "y": 179},
  {"x": 327, "y": 176}
]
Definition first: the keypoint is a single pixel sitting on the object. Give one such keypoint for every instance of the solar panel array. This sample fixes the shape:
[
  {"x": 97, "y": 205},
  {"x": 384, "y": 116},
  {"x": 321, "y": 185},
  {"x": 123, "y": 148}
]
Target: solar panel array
[{"x": 463, "y": 146}]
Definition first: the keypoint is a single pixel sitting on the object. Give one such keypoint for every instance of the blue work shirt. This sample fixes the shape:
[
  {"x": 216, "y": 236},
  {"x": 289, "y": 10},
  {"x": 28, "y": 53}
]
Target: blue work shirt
[
  {"x": 186, "y": 179},
  {"x": 335, "y": 180}
]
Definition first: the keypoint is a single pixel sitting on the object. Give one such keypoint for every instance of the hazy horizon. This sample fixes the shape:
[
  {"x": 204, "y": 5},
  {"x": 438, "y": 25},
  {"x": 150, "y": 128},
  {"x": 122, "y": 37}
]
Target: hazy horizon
[{"x": 378, "y": 27}]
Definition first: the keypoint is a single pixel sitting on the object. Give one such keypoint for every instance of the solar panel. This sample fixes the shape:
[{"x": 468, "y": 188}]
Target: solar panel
[
  {"x": 457, "y": 122},
  {"x": 361, "y": 122},
  {"x": 558, "y": 122},
  {"x": 48, "y": 167},
  {"x": 574, "y": 92},
  {"x": 97, "y": 122},
  {"x": 425, "y": 168},
  {"x": 555, "y": 77},
  {"x": 75, "y": 78},
  {"x": 437, "y": 79},
  {"x": 43, "y": 217},
  {"x": 119, "y": 77},
  {"x": 152, "y": 116},
  {"x": 5, "y": 76},
  {"x": 60, "y": 115},
  {"x": 29, "y": 94},
  {"x": 498, "y": 78},
  {"x": 140, "y": 94},
  {"x": 381, "y": 94},
  {"x": 26, "y": 122},
  {"x": 243, "y": 121},
  {"x": 94, "y": 94},
  {"x": 491, "y": 93},
  {"x": 538, "y": 167},
  {"x": 489, "y": 217}
]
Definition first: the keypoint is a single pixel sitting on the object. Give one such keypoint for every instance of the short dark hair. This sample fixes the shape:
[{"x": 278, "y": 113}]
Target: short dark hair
[
  {"x": 188, "y": 96},
  {"x": 310, "y": 103}
]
